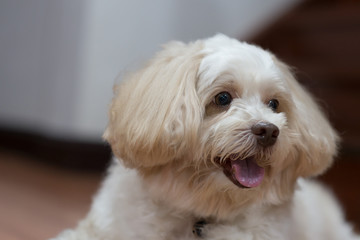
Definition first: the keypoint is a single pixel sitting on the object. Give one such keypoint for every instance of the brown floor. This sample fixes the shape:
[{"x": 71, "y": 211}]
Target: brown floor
[{"x": 37, "y": 201}]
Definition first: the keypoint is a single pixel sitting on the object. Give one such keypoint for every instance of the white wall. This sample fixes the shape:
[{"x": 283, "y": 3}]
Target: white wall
[
  {"x": 40, "y": 59},
  {"x": 59, "y": 59}
]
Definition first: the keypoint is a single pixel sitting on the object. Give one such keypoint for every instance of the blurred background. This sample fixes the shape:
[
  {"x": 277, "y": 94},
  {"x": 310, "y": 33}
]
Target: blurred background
[{"x": 60, "y": 59}]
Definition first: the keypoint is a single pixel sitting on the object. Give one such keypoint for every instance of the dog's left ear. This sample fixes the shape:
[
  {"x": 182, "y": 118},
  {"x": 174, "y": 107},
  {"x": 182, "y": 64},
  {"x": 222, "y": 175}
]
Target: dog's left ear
[
  {"x": 155, "y": 114},
  {"x": 317, "y": 145}
]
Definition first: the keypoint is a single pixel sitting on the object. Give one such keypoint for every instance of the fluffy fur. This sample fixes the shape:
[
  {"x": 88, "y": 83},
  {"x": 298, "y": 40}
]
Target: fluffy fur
[{"x": 170, "y": 140}]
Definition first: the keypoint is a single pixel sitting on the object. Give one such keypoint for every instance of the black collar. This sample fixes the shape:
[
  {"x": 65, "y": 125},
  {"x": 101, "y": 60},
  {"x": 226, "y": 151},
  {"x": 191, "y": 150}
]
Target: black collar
[{"x": 198, "y": 228}]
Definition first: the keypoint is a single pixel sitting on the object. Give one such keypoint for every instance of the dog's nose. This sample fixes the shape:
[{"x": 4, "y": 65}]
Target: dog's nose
[{"x": 265, "y": 133}]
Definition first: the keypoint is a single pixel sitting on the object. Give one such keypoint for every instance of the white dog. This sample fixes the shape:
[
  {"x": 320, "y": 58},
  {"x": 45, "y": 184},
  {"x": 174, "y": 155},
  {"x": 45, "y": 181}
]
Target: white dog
[{"x": 214, "y": 140}]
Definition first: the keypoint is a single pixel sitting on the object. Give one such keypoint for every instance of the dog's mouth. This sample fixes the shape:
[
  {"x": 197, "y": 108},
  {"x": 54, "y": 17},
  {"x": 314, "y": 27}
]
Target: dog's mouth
[{"x": 244, "y": 173}]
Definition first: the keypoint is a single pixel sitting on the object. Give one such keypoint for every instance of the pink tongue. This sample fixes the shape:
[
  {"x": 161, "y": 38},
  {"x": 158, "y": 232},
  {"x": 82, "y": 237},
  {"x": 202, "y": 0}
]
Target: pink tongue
[{"x": 247, "y": 172}]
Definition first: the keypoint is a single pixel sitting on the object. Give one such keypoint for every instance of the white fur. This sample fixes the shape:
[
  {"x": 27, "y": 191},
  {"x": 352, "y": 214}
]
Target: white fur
[{"x": 170, "y": 139}]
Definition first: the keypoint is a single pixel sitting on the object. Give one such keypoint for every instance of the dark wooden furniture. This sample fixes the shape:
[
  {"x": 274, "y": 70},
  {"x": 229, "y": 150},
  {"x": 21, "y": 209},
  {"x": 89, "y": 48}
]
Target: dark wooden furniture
[{"x": 321, "y": 39}]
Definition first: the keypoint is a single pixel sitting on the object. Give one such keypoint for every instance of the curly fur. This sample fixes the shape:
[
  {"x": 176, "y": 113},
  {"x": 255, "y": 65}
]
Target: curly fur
[{"x": 170, "y": 139}]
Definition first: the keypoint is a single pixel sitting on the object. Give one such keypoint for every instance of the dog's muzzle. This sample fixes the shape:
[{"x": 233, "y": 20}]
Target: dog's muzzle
[{"x": 246, "y": 172}]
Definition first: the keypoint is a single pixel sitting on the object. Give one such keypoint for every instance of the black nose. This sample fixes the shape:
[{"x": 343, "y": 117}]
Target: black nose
[{"x": 265, "y": 133}]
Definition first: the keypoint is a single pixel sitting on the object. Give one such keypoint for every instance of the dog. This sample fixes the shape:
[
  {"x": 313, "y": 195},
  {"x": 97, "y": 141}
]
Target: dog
[{"x": 215, "y": 139}]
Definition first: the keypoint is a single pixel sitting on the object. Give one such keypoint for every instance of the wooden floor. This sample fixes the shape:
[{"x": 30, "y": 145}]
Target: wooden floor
[{"x": 37, "y": 201}]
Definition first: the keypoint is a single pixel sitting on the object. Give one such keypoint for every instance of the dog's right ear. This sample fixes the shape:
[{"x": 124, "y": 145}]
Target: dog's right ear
[{"x": 155, "y": 114}]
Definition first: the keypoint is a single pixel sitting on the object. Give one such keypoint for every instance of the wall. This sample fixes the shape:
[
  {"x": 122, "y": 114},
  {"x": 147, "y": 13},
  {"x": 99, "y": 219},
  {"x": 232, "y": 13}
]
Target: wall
[{"x": 59, "y": 59}]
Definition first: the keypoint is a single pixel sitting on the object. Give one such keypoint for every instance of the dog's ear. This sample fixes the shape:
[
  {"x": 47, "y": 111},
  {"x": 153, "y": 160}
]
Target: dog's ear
[
  {"x": 155, "y": 114},
  {"x": 317, "y": 143}
]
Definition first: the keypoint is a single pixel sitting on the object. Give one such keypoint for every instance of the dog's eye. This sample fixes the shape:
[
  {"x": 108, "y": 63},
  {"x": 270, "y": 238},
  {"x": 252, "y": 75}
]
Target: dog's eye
[
  {"x": 273, "y": 104},
  {"x": 223, "y": 99}
]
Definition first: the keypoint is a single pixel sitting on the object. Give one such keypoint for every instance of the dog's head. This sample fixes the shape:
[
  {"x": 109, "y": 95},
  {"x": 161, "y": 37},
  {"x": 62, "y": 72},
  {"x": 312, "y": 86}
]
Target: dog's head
[{"x": 218, "y": 125}]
